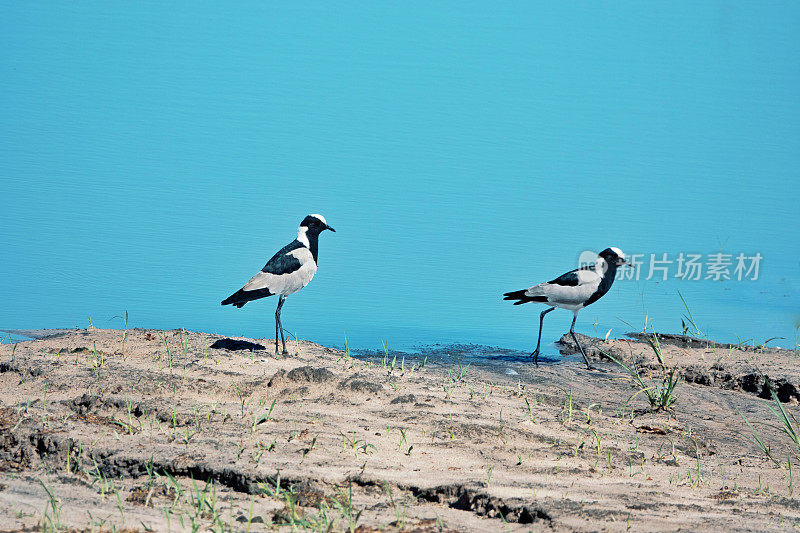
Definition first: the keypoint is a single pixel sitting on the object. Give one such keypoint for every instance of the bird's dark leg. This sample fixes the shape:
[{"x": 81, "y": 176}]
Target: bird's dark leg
[
  {"x": 283, "y": 336},
  {"x": 283, "y": 340},
  {"x": 535, "y": 353},
  {"x": 572, "y": 332},
  {"x": 279, "y": 326}
]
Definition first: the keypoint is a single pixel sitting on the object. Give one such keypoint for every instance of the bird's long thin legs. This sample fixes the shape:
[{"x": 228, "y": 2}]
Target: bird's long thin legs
[
  {"x": 283, "y": 333},
  {"x": 572, "y": 332},
  {"x": 535, "y": 353},
  {"x": 279, "y": 326},
  {"x": 283, "y": 339}
]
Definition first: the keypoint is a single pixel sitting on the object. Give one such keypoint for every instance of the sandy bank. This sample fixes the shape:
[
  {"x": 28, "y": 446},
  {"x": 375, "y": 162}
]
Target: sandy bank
[{"x": 118, "y": 438}]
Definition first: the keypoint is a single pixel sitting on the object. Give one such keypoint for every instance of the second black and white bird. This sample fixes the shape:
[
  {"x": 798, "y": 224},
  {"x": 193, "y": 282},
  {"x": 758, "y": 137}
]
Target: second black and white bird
[
  {"x": 287, "y": 272},
  {"x": 574, "y": 290}
]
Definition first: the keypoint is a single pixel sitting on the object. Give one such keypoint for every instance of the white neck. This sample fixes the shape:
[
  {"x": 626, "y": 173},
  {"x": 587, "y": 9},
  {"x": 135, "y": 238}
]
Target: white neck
[
  {"x": 302, "y": 237},
  {"x": 600, "y": 266}
]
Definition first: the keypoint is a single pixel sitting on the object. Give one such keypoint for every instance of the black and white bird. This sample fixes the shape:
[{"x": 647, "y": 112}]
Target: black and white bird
[
  {"x": 574, "y": 290},
  {"x": 287, "y": 272}
]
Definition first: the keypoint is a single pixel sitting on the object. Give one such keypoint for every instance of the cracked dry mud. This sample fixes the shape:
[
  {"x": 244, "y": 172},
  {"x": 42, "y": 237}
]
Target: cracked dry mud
[{"x": 190, "y": 430}]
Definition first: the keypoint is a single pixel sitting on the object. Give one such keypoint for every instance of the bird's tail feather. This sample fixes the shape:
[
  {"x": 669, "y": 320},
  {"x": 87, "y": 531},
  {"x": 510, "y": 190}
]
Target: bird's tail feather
[
  {"x": 234, "y": 299},
  {"x": 241, "y": 297},
  {"x": 522, "y": 297},
  {"x": 514, "y": 295}
]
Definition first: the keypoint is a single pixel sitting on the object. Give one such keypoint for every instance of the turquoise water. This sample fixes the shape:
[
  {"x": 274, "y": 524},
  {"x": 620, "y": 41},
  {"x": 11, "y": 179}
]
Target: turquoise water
[{"x": 153, "y": 156}]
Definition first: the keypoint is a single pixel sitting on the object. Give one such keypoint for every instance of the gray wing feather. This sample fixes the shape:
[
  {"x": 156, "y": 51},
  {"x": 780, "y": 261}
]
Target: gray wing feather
[
  {"x": 289, "y": 282},
  {"x": 586, "y": 283}
]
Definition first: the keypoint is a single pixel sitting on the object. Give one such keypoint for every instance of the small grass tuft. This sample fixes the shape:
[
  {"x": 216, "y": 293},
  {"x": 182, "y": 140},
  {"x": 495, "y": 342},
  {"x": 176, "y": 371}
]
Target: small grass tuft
[
  {"x": 788, "y": 423},
  {"x": 660, "y": 390}
]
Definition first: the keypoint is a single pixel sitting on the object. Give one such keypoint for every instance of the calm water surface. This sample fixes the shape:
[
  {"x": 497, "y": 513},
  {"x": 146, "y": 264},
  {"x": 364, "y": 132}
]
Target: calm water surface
[{"x": 153, "y": 157}]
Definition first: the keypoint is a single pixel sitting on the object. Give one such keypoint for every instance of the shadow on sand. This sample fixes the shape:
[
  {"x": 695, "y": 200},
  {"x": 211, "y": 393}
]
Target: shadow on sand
[{"x": 234, "y": 345}]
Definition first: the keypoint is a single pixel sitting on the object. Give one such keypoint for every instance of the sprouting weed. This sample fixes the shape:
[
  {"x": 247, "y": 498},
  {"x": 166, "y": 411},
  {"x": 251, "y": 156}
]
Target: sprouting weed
[
  {"x": 385, "y": 360},
  {"x": 243, "y": 400},
  {"x": 687, "y": 320},
  {"x": 764, "y": 447},
  {"x": 184, "y": 342},
  {"x": 97, "y": 362},
  {"x": 51, "y": 520},
  {"x": 124, "y": 330},
  {"x": 263, "y": 418},
  {"x": 789, "y": 424},
  {"x": 306, "y": 451},
  {"x": 399, "y": 514},
  {"x": 346, "y": 353},
  {"x": 461, "y": 374},
  {"x": 528, "y": 407},
  {"x": 404, "y": 441},
  {"x": 344, "y": 504},
  {"x": 167, "y": 349},
  {"x": 589, "y": 413},
  {"x": 349, "y": 440},
  {"x": 660, "y": 392},
  {"x": 487, "y": 390},
  {"x": 296, "y": 342}
]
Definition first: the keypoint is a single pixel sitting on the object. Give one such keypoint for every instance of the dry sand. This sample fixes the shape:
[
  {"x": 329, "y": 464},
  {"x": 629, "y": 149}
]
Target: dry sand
[{"x": 175, "y": 433}]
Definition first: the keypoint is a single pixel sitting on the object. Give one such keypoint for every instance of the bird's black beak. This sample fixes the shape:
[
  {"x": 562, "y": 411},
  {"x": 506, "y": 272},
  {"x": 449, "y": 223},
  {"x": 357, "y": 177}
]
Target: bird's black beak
[{"x": 330, "y": 228}]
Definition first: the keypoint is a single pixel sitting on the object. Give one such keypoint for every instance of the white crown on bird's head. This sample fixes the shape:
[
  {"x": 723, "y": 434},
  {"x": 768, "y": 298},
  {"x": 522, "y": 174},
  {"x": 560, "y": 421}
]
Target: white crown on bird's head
[
  {"x": 588, "y": 257},
  {"x": 311, "y": 220},
  {"x": 614, "y": 256},
  {"x": 322, "y": 218},
  {"x": 315, "y": 223}
]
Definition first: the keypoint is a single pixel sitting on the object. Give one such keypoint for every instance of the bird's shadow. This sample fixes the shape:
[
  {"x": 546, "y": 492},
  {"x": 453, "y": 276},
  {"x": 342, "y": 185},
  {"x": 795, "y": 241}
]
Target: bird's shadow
[
  {"x": 523, "y": 359},
  {"x": 234, "y": 345}
]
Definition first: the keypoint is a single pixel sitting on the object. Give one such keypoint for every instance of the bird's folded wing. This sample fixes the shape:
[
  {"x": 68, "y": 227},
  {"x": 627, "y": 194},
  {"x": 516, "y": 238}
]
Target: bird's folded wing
[
  {"x": 285, "y": 261},
  {"x": 286, "y": 271},
  {"x": 577, "y": 277},
  {"x": 572, "y": 288}
]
